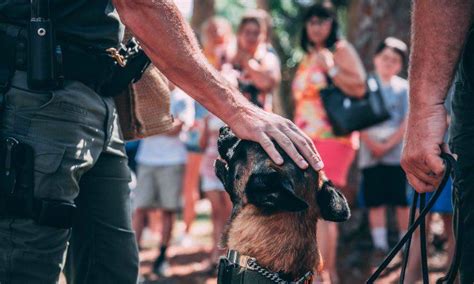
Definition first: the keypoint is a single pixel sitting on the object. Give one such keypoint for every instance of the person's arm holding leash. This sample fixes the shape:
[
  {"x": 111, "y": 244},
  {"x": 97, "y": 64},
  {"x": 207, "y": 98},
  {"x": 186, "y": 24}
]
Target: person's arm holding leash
[
  {"x": 169, "y": 42},
  {"x": 438, "y": 33}
]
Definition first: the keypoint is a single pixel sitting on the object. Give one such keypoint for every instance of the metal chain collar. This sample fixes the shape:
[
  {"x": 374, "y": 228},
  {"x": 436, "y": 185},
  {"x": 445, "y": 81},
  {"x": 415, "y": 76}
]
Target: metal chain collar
[{"x": 252, "y": 263}]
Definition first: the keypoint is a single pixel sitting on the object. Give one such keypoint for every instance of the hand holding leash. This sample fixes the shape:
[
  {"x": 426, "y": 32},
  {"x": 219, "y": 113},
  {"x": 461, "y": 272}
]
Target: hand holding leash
[
  {"x": 449, "y": 165},
  {"x": 421, "y": 151}
]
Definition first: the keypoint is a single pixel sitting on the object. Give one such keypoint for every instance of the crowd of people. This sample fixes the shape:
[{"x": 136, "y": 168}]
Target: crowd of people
[{"x": 172, "y": 168}]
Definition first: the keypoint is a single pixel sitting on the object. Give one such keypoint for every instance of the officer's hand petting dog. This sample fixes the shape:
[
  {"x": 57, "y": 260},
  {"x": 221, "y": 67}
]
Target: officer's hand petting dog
[
  {"x": 162, "y": 39},
  {"x": 274, "y": 207},
  {"x": 256, "y": 125}
]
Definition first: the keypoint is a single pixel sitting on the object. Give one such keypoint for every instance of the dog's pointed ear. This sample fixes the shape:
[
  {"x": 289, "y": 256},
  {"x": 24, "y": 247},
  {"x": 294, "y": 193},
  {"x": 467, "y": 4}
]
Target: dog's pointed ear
[
  {"x": 226, "y": 143},
  {"x": 270, "y": 193},
  {"x": 220, "y": 168},
  {"x": 332, "y": 204},
  {"x": 288, "y": 200},
  {"x": 222, "y": 172}
]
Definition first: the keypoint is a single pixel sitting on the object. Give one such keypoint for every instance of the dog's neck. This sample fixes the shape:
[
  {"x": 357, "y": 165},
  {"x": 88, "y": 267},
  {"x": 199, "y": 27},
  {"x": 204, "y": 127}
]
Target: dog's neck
[{"x": 282, "y": 242}]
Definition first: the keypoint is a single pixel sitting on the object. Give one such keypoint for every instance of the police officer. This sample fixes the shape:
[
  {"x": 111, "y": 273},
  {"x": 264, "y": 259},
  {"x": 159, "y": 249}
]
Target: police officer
[
  {"x": 78, "y": 150},
  {"x": 443, "y": 50}
]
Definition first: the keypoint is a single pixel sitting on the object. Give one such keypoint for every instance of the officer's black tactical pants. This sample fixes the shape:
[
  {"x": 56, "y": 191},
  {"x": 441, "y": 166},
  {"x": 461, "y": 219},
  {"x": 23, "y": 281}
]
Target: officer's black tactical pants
[
  {"x": 79, "y": 156},
  {"x": 462, "y": 144}
]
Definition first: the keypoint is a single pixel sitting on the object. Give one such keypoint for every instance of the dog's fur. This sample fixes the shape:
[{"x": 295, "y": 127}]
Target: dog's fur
[{"x": 275, "y": 208}]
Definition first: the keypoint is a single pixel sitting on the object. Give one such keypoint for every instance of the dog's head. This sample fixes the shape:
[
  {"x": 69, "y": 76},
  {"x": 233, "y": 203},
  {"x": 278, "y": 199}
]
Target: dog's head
[{"x": 250, "y": 177}]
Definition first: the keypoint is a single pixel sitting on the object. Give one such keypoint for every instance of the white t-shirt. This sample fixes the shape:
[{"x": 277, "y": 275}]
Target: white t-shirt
[
  {"x": 395, "y": 95},
  {"x": 165, "y": 150}
]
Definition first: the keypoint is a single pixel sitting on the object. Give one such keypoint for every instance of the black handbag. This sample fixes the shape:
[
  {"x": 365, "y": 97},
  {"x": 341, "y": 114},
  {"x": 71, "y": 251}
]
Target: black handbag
[{"x": 347, "y": 114}]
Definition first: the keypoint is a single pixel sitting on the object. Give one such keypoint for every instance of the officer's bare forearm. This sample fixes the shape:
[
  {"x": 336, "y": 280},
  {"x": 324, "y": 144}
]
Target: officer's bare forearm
[
  {"x": 170, "y": 43},
  {"x": 438, "y": 33}
]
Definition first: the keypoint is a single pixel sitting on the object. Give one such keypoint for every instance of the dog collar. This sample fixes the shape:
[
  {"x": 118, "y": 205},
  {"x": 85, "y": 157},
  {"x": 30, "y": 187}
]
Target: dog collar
[{"x": 250, "y": 263}]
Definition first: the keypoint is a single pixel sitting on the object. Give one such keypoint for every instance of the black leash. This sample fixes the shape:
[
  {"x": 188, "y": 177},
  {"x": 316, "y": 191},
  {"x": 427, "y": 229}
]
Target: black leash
[{"x": 450, "y": 163}]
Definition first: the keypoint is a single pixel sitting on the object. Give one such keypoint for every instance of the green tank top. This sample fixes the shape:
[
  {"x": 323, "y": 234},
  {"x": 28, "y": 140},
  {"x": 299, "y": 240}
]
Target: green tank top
[{"x": 92, "y": 23}]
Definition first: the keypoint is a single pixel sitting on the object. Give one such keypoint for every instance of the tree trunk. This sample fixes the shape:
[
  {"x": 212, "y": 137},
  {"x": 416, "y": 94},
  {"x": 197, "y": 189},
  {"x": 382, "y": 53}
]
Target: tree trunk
[
  {"x": 371, "y": 21},
  {"x": 202, "y": 10}
]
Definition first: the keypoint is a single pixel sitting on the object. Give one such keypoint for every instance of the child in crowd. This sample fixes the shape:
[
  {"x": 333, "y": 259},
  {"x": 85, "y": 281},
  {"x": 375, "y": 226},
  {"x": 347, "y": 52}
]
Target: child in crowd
[{"x": 383, "y": 180}]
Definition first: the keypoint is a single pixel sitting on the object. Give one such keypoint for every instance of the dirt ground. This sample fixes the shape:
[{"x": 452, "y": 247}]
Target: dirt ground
[{"x": 188, "y": 264}]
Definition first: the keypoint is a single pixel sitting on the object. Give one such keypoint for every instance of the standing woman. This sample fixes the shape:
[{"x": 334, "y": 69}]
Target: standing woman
[
  {"x": 218, "y": 41},
  {"x": 258, "y": 68},
  {"x": 327, "y": 56}
]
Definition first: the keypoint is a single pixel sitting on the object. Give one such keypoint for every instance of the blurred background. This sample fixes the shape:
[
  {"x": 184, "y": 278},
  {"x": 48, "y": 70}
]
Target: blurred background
[
  {"x": 190, "y": 253},
  {"x": 365, "y": 23}
]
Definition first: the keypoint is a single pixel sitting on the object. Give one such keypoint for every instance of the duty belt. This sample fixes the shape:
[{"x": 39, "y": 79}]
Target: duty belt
[{"x": 80, "y": 63}]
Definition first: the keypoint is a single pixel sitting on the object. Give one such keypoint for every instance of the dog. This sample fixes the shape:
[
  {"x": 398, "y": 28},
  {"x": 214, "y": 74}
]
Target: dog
[{"x": 274, "y": 215}]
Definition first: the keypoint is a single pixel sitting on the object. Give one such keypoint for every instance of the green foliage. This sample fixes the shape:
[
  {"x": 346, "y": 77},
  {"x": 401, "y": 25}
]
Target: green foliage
[
  {"x": 232, "y": 10},
  {"x": 287, "y": 20},
  {"x": 287, "y": 23}
]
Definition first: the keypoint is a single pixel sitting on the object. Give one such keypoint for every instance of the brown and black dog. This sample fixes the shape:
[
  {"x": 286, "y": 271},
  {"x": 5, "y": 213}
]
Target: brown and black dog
[{"x": 275, "y": 208}]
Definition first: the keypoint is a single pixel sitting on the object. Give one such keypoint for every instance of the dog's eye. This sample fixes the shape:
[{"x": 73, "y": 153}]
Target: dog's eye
[{"x": 237, "y": 176}]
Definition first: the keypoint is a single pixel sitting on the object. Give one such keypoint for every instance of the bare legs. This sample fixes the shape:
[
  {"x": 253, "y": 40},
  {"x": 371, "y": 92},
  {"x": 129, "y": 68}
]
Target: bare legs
[
  {"x": 221, "y": 208},
  {"x": 378, "y": 224},
  {"x": 190, "y": 190},
  {"x": 167, "y": 226},
  {"x": 138, "y": 223}
]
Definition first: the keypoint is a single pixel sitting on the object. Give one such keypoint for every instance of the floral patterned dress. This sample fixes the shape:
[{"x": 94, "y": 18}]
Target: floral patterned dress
[{"x": 337, "y": 152}]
